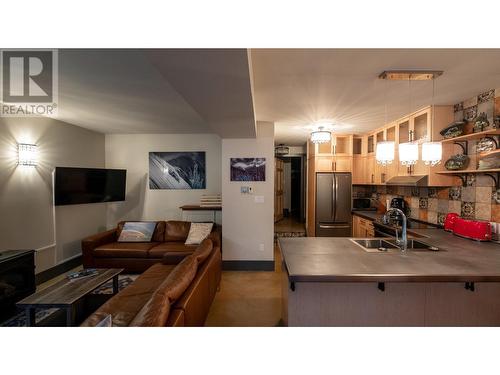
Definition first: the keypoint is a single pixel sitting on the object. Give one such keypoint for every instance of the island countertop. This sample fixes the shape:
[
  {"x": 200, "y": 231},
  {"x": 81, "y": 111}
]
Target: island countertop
[{"x": 338, "y": 259}]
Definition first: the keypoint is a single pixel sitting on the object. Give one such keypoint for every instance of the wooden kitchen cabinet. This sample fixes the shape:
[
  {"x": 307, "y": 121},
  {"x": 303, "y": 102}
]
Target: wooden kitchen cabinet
[
  {"x": 362, "y": 227},
  {"x": 358, "y": 169}
]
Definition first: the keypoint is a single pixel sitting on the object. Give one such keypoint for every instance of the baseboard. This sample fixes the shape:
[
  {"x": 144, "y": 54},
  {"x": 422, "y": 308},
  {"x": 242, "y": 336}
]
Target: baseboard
[
  {"x": 57, "y": 270},
  {"x": 248, "y": 265}
]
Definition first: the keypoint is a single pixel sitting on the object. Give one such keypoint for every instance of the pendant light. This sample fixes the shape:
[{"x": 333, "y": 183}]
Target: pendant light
[
  {"x": 281, "y": 150},
  {"x": 384, "y": 153},
  {"x": 321, "y": 136},
  {"x": 432, "y": 152},
  {"x": 408, "y": 152}
]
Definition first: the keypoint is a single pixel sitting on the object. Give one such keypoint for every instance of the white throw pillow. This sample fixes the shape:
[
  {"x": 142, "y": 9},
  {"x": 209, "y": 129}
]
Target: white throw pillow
[{"x": 198, "y": 232}]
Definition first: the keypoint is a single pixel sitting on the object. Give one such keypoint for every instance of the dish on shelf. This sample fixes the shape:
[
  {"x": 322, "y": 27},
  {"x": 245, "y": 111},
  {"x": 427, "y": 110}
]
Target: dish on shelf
[
  {"x": 496, "y": 196},
  {"x": 481, "y": 123},
  {"x": 457, "y": 162},
  {"x": 490, "y": 161},
  {"x": 485, "y": 144},
  {"x": 453, "y": 130}
]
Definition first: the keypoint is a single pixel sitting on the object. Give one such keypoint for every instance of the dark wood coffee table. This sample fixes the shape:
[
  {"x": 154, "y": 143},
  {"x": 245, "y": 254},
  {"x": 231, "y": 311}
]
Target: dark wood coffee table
[{"x": 66, "y": 294}]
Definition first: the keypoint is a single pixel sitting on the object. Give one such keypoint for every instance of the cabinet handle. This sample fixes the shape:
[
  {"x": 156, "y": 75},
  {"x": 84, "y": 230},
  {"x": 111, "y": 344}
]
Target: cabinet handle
[
  {"x": 382, "y": 177},
  {"x": 373, "y": 178}
]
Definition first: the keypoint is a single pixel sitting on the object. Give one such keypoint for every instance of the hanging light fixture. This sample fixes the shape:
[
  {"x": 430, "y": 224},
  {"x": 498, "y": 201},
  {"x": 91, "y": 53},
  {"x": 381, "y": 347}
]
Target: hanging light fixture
[
  {"x": 384, "y": 153},
  {"x": 408, "y": 152},
  {"x": 281, "y": 150},
  {"x": 432, "y": 152},
  {"x": 321, "y": 136}
]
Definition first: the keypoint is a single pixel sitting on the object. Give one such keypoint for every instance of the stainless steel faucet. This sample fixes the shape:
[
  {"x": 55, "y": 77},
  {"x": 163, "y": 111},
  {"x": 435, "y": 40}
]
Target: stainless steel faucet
[{"x": 404, "y": 238}]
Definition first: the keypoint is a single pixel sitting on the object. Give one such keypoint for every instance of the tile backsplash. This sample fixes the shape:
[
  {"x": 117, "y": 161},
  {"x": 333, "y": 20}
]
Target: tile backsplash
[{"x": 431, "y": 204}]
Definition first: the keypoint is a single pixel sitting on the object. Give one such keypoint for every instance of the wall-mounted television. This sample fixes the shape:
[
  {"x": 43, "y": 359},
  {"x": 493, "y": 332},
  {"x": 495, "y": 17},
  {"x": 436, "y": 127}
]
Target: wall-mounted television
[{"x": 88, "y": 185}]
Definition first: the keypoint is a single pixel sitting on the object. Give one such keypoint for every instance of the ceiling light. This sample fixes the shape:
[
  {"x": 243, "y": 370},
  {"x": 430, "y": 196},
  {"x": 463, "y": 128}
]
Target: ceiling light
[
  {"x": 385, "y": 152},
  {"x": 410, "y": 75},
  {"x": 321, "y": 136},
  {"x": 408, "y": 153},
  {"x": 27, "y": 154},
  {"x": 281, "y": 149},
  {"x": 432, "y": 153}
]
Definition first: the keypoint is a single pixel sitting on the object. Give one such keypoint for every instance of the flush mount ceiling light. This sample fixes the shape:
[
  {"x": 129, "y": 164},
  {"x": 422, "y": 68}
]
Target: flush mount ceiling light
[
  {"x": 385, "y": 152},
  {"x": 321, "y": 135},
  {"x": 281, "y": 149},
  {"x": 410, "y": 75},
  {"x": 27, "y": 154}
]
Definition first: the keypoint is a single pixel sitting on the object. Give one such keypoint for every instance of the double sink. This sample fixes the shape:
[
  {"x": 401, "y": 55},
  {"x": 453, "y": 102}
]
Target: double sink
[{"x": 379, "y": 245}]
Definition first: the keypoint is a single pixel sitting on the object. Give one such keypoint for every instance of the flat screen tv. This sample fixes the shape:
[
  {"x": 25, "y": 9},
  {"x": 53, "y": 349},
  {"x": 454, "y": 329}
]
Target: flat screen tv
[{"x": 88, "y": 185}]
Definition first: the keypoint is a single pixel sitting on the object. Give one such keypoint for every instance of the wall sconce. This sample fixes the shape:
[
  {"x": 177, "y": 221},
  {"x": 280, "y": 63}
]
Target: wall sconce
[{"x": 27, "y": 154}]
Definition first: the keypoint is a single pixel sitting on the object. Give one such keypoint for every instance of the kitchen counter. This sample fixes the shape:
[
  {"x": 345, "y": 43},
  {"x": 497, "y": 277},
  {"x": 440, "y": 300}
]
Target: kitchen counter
[{"x": 340, "y": 260}]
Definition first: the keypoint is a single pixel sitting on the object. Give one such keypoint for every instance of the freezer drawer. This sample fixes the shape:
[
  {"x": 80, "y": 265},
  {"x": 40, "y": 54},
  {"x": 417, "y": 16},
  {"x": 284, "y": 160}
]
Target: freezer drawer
[{"x": 333, "y": 230}]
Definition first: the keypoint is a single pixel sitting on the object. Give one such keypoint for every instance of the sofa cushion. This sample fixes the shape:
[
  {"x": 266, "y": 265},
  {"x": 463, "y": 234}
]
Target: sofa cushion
[
  {"x": 158, "y": 234},
  {"x": 124, "y": 306},
  {"x": 198, "y": 232},
  {"x": 155, "y": 312},
  {"x": 171, "y": 247},
  {"x": 124, "y": 250},
  {"x": 203, "y": 251},
  {"x": 176, "y": 230}
]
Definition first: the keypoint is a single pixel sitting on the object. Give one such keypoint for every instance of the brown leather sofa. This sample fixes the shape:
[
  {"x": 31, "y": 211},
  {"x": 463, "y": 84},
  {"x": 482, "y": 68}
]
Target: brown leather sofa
[
  {"x": 167, "y": 294},
  {"x": 103, "y": 251}
]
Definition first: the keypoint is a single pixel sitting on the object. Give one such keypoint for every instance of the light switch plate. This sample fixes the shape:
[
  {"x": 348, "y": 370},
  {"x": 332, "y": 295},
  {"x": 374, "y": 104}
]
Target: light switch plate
[{"x": 259, "y": 199}]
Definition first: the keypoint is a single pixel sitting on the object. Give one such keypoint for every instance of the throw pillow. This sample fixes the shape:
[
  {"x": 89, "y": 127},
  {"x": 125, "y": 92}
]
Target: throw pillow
[
  {"x": 198, "y": 232},
  {"x": 137, "y": 231}
]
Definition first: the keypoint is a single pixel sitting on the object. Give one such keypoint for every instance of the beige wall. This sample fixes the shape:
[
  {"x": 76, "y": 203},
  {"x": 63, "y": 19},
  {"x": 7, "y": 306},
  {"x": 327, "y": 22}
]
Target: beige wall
[
  {"x": 28, "y": 218},
  {"x": 247, "y": 226},
  {"x": 131, "y": 152}
]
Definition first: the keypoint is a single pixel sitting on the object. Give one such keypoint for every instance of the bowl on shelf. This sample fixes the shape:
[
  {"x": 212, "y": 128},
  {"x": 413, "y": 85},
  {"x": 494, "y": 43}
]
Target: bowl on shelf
[
  {"x": 489, "y": 160},
  {"x": 457, "y": 162},
  {"x": 453, "y": 130}
]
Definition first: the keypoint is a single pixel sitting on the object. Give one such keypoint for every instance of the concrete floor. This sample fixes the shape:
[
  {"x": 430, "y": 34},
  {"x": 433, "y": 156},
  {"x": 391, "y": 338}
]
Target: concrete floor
[{"x": 248, "y": 299}]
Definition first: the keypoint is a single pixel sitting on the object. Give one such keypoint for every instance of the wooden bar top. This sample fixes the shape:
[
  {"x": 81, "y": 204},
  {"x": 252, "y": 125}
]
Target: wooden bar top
[{"x": 193, "y": 207}]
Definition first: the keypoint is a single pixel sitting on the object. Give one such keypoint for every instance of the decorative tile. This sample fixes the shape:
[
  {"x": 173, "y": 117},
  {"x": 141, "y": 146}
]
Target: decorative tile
[
  {"x": 415, "y": 192},
  {"x": 423, "y": 192},
  {"x": 440, "y": 218},
  {"x": 483, "y": 194},
  {"x": 470, "y": 113},
  {"x": 469, "y": 102},
  {"x": 423, "y": 203},
  {"x": 495, "y": 213},
  {"x": 455, "y": 193},
  {"x": 470, "y": 180},
  {"x": 486, "y": 96},
  {"x": 458, "y": 107},
  {"x": 433, "y": 193},
  {"x": 455, "y": 206},
  {"x": 432, "y": 204},
  {"x": 495, "y": 196},
  {"x": 415, "y": 202},
  {"x": 443, "y": 193},
  {"x": 442, "y": 205},
  {"x": 483, "y": 211},
  {"x": 468, "y": 210},
  {"x": 468, "y": 194},
  {"x": 432, "y": 217},
  {"x": 423, "y": 215},
  {"x": 415, "y": 213}
]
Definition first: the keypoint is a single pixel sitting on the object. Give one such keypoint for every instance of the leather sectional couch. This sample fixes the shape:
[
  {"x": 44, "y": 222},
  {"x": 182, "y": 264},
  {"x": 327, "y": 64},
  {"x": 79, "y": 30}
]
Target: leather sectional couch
[
  {"x": 167, "y": 294},
  {"x": 103, "y": 251}
]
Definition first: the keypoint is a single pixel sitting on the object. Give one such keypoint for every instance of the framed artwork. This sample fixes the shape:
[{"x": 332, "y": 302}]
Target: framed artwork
[
  {"x": 248, "y": 169},
  {"x": 177, "y": 170}
]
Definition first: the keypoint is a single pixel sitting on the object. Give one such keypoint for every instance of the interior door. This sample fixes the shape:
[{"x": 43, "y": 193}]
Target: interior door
[{"x": 278, "y": 189}]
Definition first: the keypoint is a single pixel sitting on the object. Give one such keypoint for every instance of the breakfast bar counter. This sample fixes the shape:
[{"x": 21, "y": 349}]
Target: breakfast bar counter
[{"x": 335, "y": 282}]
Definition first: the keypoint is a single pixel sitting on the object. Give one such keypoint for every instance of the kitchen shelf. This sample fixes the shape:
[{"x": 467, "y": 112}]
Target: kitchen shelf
[
  {"x": 493, "y": 173},
  {"x": 472, "y": 136}
]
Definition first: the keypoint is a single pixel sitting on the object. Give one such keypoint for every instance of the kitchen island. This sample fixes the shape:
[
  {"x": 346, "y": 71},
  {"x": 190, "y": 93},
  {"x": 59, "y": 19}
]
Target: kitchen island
[{"x": 335, "y": 282}]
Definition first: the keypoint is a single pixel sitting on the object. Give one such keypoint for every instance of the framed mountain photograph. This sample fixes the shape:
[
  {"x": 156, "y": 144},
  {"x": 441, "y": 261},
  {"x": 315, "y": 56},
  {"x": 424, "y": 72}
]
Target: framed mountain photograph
[
  {"x": 248, "y": 169},
  {"x": 177, "y": 170}
]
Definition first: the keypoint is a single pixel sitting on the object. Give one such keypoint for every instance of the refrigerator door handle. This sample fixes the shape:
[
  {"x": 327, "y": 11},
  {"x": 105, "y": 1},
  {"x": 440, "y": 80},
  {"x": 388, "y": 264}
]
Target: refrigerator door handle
[
  {"x": 332, "y": 215},
  {"x": 324, "y": 226},
  {"x": 335, "y": 189}
]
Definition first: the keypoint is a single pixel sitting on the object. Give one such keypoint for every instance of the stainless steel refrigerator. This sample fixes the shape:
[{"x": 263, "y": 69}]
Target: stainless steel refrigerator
[{"x": 333, "y": 204}]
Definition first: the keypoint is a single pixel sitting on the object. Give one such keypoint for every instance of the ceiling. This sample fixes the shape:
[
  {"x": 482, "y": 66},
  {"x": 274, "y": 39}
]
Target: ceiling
[
  {"x": 157, "y": 91},
  {"x": 296, "y": 87}
]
